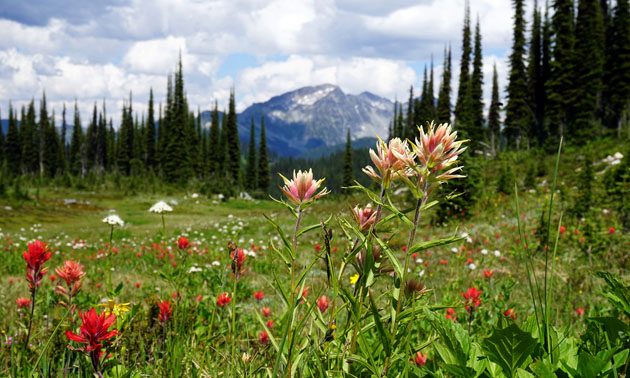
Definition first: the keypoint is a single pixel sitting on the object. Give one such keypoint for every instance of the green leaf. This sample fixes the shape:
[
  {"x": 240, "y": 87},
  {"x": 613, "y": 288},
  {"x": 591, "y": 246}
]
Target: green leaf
[
  {"x": 509, "y": 348},
  {"x": 454, "y": 345},
  {"x": 543, "y": 369},
  {"x": 390, "y": 255},
  {"x": 312, "y": 227},
  {"x": 589, "y": 366},
  {"x": 383, "y": 333},
  {"x": 617, "y": 293},
  {"x": 435, "y": 243}
]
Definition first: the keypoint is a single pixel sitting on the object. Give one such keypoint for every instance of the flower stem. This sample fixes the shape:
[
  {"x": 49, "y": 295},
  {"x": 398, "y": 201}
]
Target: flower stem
[
  {"x": 295, "y": 237},
  {"x": 232, "y": 330},
  {"x": 30, "y": 320},
  {"x": 163, "y": 227},
  {"x": 412, "y": 235}
]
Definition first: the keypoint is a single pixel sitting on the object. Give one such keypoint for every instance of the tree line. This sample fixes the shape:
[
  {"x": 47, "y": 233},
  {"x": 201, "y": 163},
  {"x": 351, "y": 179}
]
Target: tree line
[
  {"x": 172, "y": 143},
  {"x": 569, "y": 77}
]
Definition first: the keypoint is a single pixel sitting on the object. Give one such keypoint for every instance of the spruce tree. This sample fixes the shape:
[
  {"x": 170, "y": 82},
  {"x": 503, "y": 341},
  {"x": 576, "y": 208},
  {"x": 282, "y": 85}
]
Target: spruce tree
[
  {"x": 410, "y": 128},
  {"x": 223, "y": 149},
  {"x": 13, "y": 148},
  {"x": 462, "y": 104},
  {"x": 41, "y": 130},
  {"x": 536, "y": 79},
  {"x": 76, "y": 142},
  {"x": 101, "y": 140},
  {"x": 150, "y": 134},
  {"x": 620, "y": 66},
  {"x": 348, "y": 178},
  {"x": 250, "y": 175},
  {"x": 213, "y": 142},
  {"x": 177, "y": 164},
  {"x": 560, "y": 87},
  {"x": 444, "y": 97},
  {"x": 233, "y": 156},
  {"x": 516, "y": 111},
  {"x": 432, "y": 115},
  {"x": 111, "y": 146},
  {"x": 423, "y": 106},
  {"x": 64, "y": 144},
  {"x": 398, "y": 128},
  {"x": 90, "y": 139},
  {"x": 589, "y": 61},
  {"x": 2, "y": 143},
  {"x": 263, "y": 160},
  {"x": 476, "y": 81},
  {"x": 494, "y": 121},
  {"x": 30, "y": 143},
  {"x": 52, "y": 150}
]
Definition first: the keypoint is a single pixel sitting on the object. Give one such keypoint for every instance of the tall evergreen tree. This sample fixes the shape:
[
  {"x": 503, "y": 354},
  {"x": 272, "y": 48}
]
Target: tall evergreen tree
[
  {"x": 223, "y": 137},
  {"x": 348, "y": 178},
  {"x": 150, "y": 134},
  {"x": 560, "y": 87},
  {"x": 423, "y": 107},
  {"x": 111, "y": 146},
  {"x": 462, "y": 105},
  {"x": 177, "y": 165},
  {"x": 233, "y": 156},
  {"x": 64, "y": 144},
  {"x": 589, "y": 62},
  {"x": 444, "y": 97},
  {"x": 430, "y": 95},
  {"x": 76, "y": 142},
  {"x": 101, "y": 140},
  {"x": 52, "y": 149},
  {"x": 476, "y": 82},
  {"x": 494, "y": 121},
  {"x": 516, "y": 111},
  {"x": 263, "y": 160},
  {"x": 213, "y": 141},
  {"x": 620, "y": 66},
  {"x": 41, "y": 129},
  {"x": 410, "y": 128},
  {"x": 90, "y": 139},
  {"x": 536, "y": 79},
  {"x": 13, "y": 148},
  {"x": 250, "y": 175},
  {"x": 398, "y": 127},
  {"x": 2, "y": 143}
]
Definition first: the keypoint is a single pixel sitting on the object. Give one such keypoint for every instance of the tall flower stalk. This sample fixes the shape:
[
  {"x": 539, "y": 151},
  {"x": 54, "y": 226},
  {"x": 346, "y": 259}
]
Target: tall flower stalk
[
  {"x": 301, "y": 192},
  {"x": 437, "y": 152},
  {"x": 38, "y": 253},
  {"x": 161, "y": 207}
]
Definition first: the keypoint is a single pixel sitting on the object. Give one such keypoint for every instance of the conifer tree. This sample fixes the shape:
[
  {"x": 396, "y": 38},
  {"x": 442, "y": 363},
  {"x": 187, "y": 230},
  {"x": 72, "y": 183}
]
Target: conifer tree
[
  {"x": 30, "y": 143},
  {"x": 213, "y": 142},
  {"x": 111, "y": 146},
  {"x": 52, "y": 150},
  {"x": 250, "y": 175},
  {"x": 2, "y": 142},
  {"x": 263, "y": 160},
  {"x": 64, "y": 144},
  {"x": 101, "y": 140},
  {"x": 462, "y": 105},
  {"x": 398, "y": 129},
  {"x": 589, "y": 61},
  {"x": 620, "y": 66},
  {"x": 423, "y": 106},
  {"x": 410, "y": 128},
  {"x": 560, "y": 87},
  {"x": 233, "y": 156},
  {"x": 401, "y": 121},
  {"x": 13, "y": 150},
  {"x": 76, "y": 141},
  {"x": 444, "y": 97},
  {"x": 177, "y": 165},
  {"x": 494, "y": 122},
  {"x": 90, "y": 139},
  {"x": 536, "y": 79},
  {"x": 430, "y": 95},
  {"x": 41, "y": 129},
  {"x": 348, "y": 178},
  {"x": 150, "y": 134},
  {"x": 223, "y": 147},
  {"x": 476, "y": 81},
  {"x": 516, "y": 111}
]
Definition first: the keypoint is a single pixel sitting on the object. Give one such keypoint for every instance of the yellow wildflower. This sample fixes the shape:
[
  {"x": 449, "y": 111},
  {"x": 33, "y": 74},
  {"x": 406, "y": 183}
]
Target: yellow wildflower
[
  {"x": 111, "y": 307},
  {"x": 354, "y": 279}
]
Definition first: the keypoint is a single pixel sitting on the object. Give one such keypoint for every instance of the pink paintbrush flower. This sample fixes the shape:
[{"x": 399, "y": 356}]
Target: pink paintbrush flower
[{"x": 302, "y": 187}]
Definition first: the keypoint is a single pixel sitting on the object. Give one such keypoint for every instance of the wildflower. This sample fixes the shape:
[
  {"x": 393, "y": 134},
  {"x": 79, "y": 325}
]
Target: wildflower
[
  {"x": 415, "y": 287},
  {"x": 562, "y": 229},
  {"x": 365, "y": 217},
  {"x": 111, "y": 307},
  {"x": 223, "y": 299},
  {"x": 238, "y": 258},
  {"x": 443, "y": 262},
  {"x": 22, "y": 302},
  {"x": 71, "y": 272},
  {"x": 182, "y": 243},
  {"x": 113, "y": 220},
  {"x": 437, "y": 149},
  {"x": 259, "y": 295},
  {"x": 199, "y": 297},
  {"x": 322, "y": 303},
  {"x": 270, "y": 323},
  {"x": 509, "y": 313},
  {"x": 166, "y": 311},
  {"x": 137, "y": 285},
  {"x": 160, "y": 207},
  {"x": 488, "y": 273},
  {"x": 302, "y": 187},
  {"x": 38, "y": 253},
  {"x": 579, "y": 311},
  {"x": 266, "y": 311},
  {"x": 611, "y": 230},
  {"x": 95, "y": 328},
  {"x": 318, "y": 248},
  {"x": 390, "y": 160},
  {"x": 450, "y": 314},
  {"x": 263, "y": 337},
  {"x": 472, "y": 299},
  {"x": 354, "y": 279},
  {"x": 420, "y": 359},
  {"x": 52, "y": 278}
]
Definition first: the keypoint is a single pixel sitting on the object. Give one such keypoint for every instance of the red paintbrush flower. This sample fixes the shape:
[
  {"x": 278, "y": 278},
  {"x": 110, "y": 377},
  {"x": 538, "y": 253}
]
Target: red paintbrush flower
[
  {"x": 166, "y": 311},
  {"x": 322, "y": 303},
  {"x": 450, "y": 314},
  {"x": 472, "y": 298},
  {"x": 266, "y": 311},
  {"x": 420, "y": 359},
  {"x": 71, "y": 272},
  {"x": 38, "y": 253},
  {"x": 488, "y": 273},
  {"x": 509, "y": 313},
  {"x": 22, "y": 302},
  {"x": 223, "y": 299},
  {"x": 182, "y": 243},
  {"x": 95, "y": 328},
  {"x": 259, "y": 295},
  {"x": 263, "y": 337}
]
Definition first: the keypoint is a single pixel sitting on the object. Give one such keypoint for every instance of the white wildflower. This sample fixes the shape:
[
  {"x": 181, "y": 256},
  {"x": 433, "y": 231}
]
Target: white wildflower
[
  {"x": 113, "y": 220},
  {"x": 160, "y": 208}
]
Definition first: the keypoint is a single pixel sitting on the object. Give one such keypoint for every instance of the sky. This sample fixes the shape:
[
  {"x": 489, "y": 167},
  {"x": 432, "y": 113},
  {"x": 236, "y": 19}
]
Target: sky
[{"x": 103, "y": 50}]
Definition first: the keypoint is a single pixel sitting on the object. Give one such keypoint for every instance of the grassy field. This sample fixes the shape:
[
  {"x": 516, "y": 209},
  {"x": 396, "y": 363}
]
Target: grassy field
[{"x": 143, "y": 267}]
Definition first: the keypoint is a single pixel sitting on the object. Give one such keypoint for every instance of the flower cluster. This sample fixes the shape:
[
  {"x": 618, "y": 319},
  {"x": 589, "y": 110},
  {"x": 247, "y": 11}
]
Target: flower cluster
[
  {"x": 391, "y": 161},
  {"x": 472, "y": 298},
  {"x": 223, "y": 299},
  {"x": 365, "y": 217},
  {"x": 113, "y": 220},
  {"x": 161, "y": 207},
  {"x": 71, "y": 272},
  {"x": 95, "y": 328},
  {"x": 166, "y": 311},
  {"x": 38, "y": 253},
  {"x": 301, "y": 189}
]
